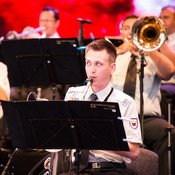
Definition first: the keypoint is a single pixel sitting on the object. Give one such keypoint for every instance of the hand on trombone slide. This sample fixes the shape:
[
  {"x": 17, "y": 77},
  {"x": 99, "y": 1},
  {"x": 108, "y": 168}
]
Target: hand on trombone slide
[{"x": 126, "y": 46}]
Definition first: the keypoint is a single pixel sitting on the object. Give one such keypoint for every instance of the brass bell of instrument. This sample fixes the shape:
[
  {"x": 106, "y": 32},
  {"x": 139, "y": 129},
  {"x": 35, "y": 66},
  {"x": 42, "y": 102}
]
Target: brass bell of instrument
[{"x": 148, "y": 33}]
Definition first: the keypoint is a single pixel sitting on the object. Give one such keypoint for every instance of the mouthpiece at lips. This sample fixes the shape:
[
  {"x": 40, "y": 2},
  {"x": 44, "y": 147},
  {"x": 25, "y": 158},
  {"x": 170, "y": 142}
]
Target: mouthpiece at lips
[{"x": 89, "y": 82}]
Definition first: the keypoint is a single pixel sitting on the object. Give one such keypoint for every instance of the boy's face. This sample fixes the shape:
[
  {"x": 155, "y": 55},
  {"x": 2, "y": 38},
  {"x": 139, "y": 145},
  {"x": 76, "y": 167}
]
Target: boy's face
[{"x": 99, "y": 68}]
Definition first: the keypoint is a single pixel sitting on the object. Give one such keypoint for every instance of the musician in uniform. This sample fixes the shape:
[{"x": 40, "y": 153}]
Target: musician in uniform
[
  {"x": 49, "y": 21},
  {"x": 157, "y": 67},
  {"x": 100, "y": 57}
]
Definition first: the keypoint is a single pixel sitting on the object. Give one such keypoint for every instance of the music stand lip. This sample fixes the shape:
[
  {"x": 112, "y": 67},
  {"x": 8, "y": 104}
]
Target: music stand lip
[{"x": 62, "y": 125}]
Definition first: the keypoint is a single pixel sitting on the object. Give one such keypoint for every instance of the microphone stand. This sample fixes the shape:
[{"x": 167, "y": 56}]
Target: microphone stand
[
  {"x": 81, "y": 35},
  {"x": 81, "y": 39},
  {"x": 141, "y": 77}
]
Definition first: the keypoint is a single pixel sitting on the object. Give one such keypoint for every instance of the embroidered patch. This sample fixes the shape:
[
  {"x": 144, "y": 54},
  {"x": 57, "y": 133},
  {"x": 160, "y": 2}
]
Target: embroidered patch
[{"x": 133, "y": 123}]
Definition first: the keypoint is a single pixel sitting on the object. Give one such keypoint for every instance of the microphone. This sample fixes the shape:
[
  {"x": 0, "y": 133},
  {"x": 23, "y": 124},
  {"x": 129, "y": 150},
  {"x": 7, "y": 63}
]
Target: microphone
[{"x": 84, "y": 20}]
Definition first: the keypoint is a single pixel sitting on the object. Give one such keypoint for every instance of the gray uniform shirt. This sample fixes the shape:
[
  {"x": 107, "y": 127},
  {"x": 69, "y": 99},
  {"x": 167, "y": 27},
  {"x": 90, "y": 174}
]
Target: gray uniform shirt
[{"x": 128, "y": 111}]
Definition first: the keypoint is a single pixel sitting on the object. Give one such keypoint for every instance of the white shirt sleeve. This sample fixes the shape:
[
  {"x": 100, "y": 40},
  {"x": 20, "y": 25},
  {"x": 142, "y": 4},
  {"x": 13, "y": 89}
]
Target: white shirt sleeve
[{"x": 4, "y": 83}]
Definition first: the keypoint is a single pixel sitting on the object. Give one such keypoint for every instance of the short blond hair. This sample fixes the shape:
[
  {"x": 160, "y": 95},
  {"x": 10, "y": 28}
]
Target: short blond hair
[{"x": 102, "y": 44}]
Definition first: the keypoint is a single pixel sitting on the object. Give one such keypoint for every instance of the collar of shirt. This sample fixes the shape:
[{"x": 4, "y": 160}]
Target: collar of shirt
[
  {"x": 101, "y": 94},
  {"x": 55, "y": 35},
  {"x": 171, "y": 40},
  {"x": 171, "y": 37}
]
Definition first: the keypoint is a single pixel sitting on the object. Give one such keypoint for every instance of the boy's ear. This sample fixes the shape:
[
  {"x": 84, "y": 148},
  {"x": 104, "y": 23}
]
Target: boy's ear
[{"x": 113, "y": 67}]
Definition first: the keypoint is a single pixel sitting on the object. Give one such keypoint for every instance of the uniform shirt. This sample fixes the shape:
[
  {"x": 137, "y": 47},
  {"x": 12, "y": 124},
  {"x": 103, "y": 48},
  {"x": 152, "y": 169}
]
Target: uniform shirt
[
  {"x": 128, "y": 111},
  {"x": 55, "y": 35},
  {"x": 171, "y": 41},
  {"x": 151, "y": 83},
  {"x": 4, "y": 83}
]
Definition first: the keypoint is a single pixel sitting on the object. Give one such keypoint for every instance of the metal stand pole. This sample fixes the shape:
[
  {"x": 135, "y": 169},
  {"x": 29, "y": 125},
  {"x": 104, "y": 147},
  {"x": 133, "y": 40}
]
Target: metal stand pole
[
  {"x": 8, "y": 165},
  {"x": 141, "y": 76},
  {"x": 169, "y": 137},
  {"x": 77, "y": 159},
  {"x": 81, "y": 35}
]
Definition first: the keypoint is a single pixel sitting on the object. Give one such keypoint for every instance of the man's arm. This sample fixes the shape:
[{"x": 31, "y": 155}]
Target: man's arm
[
  {"x": 133, "y": 153},
  {"x": 166, "y": 50},
  {"x": 3, "y": 95},
  {"x": 4, "y": 83},
  {"x": 164, "y": 64},
  {"x": 165, "y": 67}
]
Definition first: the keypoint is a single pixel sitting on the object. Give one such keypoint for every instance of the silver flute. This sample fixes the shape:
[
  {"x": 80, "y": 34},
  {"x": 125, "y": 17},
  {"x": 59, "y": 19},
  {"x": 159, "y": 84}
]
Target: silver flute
[{"x": 14, "y": 35}]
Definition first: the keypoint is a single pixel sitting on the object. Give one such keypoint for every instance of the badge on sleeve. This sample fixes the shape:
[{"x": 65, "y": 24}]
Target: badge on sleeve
[{"x": 133, "y": 123}]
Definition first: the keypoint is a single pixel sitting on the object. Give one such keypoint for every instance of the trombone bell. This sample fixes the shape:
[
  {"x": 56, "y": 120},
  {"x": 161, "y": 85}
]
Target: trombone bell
[{"x": 148, "y": 33}]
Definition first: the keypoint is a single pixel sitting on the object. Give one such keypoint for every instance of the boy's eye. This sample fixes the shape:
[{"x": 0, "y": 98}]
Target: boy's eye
[
  {"x": 87, "y": 62},
  {"x": 98, "y": 64}
]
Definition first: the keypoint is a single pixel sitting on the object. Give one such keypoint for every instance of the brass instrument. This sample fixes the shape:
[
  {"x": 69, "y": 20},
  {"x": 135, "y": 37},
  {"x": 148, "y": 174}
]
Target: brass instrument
[
  {"x": 89, "y": 82},
  {"x": 148, "y": 33}
]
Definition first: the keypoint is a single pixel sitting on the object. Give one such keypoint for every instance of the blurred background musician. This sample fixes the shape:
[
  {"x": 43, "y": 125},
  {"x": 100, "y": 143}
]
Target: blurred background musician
[
  {"x": 158, "y": 67},
  {"x": 5, "y": 144},
  {"x": 168, "y": 17},
  {"x": 4, "y": 87},
  {"x": 49, "y": 20},
  {"x": 168, "y": 87}
]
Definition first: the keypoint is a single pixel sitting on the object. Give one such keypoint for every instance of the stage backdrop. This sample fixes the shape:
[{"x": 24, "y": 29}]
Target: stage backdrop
[{"x": 104, "y": 14}]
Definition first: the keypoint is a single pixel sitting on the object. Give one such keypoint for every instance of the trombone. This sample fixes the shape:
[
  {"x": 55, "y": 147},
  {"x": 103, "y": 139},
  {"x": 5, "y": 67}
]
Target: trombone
[{"x": 148, "y": 33}]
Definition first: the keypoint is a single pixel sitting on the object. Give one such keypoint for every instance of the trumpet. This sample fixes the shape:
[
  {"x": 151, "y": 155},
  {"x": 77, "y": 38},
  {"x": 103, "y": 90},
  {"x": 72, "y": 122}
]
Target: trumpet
[
  {"x": 14, "y": 35},
  {"x": 148, "y": 33}
]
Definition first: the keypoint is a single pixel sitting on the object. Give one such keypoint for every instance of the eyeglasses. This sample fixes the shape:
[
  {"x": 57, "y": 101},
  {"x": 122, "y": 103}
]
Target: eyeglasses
[{"x": 46, "y": 20}]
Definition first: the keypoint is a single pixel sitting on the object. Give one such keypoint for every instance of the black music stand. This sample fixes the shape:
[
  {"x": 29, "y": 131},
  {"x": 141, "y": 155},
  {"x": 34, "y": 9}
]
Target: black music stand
[
  {"x": 62, "y": 125},
  {"x": 43, "y": 61}
]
